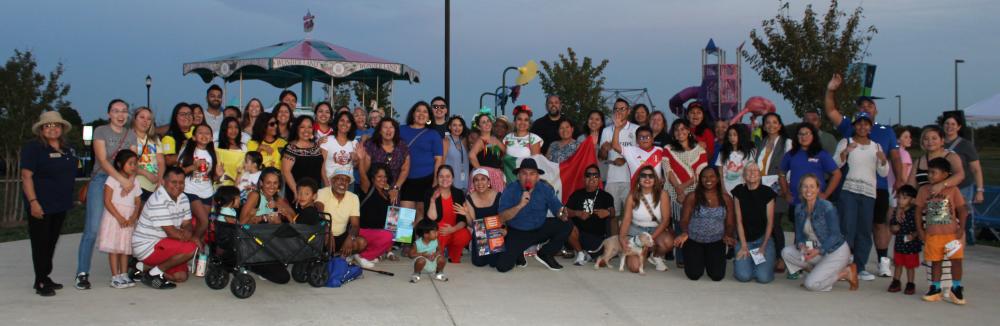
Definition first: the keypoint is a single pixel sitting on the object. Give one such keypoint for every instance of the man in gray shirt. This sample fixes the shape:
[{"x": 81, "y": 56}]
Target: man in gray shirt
[
  {"x": 213, "y": 110},
  {"x": 827, "y": 140}
]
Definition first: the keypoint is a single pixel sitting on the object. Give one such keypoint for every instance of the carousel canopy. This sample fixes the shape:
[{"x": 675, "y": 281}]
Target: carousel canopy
[{"x": 288, "y": 63}]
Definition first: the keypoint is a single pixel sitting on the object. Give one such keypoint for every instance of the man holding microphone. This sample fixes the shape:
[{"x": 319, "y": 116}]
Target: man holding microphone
[{"x": 523, "y": 206}]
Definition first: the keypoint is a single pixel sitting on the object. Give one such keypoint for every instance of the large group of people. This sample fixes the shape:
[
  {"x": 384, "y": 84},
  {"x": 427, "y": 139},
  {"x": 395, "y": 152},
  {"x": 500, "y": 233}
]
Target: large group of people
[{"x": 706, "y": 192}]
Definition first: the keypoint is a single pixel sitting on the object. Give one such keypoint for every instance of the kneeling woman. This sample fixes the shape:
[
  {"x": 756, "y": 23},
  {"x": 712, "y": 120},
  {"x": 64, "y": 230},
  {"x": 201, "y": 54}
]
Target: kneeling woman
[
  {"x": 819, "y": 246},
  {"x": 754, "y": 205},
  {"x": 374, "y": 206},
  {"x": 647, "y": 209},
  {"x": 706, "y": 220},
  {"x": 446, "y": 206},
  {"x": 265, "y": 206}
]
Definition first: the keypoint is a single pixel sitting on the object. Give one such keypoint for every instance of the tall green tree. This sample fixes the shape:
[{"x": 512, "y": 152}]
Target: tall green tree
[
  {"x": 24, "y": 94},
  {"x": 578, "y": 84},
  {"x": 798, "y": 57},
  {"x": 341, "y": 94},
  {"x": 364, "y": 94}
]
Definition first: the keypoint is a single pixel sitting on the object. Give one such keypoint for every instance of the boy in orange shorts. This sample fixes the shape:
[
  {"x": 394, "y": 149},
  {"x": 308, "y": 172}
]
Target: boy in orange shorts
[{"x": 941, "y": 227}]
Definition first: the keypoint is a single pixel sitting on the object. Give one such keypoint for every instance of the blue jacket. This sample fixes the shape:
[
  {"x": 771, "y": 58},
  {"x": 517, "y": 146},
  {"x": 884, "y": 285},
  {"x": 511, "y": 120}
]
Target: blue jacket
[
  {"x": 532, "y": 216},
  {"x": 825, "y": 222}
]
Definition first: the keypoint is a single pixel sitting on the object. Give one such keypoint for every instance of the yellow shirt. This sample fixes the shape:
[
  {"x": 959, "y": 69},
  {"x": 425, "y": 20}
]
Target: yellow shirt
[
  {"x": 170, "y": 145},
  {"x": 274, "y": 159},
  {"x": 340, "y": 210},
  {"x": 232, "y": 164}
]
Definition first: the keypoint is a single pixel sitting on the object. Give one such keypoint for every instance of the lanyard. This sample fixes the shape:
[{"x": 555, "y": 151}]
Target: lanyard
[{"x": 458, "y": 145}]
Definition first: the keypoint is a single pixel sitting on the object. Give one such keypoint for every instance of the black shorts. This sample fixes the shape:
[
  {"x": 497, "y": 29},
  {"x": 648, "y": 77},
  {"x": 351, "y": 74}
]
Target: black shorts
[
  {"x": 416, "y": 189},
  {"x": 145, "y": 195},
  {"x": 590, "y": 241},
  {"x": 881, "y": 206},
  {"x": 204, "y": 201},
  {"x": 338, "y": 240}
]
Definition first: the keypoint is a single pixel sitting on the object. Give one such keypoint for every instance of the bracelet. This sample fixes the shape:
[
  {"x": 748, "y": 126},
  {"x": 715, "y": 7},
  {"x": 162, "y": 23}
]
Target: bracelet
[
  {"x": 980, "y": 190},
  {"x": 32, "y": 200}
]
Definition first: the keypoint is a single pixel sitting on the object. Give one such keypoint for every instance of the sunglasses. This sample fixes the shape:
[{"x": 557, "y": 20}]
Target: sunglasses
[
  {"x": 272, "y": 123},
  {"x": 439, "y": 107},
  {"x": 647, "y": 176},
  {"x": 592, "y": 175}
]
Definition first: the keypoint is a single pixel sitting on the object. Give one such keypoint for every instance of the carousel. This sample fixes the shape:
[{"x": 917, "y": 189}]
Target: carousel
[{"x": 304, "y": 61}]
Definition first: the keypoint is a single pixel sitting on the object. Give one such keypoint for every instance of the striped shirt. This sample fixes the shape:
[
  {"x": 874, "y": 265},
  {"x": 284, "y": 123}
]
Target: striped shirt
[{"x": 158, "y": 212}]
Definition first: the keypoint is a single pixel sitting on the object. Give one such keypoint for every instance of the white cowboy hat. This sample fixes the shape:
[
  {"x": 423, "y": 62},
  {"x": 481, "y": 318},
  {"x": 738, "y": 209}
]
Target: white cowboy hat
[{"x": 50, "y": 117}]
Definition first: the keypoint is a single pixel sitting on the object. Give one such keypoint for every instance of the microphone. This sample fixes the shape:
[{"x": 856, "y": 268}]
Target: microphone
[{"x": 527, "y": 186}]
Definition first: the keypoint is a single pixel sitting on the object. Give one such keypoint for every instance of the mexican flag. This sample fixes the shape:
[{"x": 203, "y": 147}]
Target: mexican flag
[{"x": 565, "y": 177}]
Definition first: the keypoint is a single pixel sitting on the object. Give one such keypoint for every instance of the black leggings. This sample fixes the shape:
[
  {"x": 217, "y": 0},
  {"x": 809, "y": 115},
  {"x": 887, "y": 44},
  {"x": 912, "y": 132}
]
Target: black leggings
[
  {"x": 700, "y": 258},
  {"x": 44, "y": 233}
]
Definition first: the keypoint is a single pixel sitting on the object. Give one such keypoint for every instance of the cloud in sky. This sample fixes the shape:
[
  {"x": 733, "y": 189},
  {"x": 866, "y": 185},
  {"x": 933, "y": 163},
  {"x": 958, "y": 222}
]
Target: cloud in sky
[{"x": 109, "y": 46}]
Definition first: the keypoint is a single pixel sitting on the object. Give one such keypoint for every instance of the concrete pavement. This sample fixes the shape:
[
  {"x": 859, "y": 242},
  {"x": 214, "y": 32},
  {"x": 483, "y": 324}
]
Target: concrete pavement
[{"x": 481, "y": 296}]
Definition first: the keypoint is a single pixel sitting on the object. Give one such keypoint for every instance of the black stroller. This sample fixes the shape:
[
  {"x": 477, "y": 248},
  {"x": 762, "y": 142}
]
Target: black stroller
[{"x": 238, "y": 246}]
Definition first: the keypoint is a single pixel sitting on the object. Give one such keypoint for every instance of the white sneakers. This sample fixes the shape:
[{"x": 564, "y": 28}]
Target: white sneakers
[
  {"x": 884, "y": 267},
  {"x": 440, "y": 277},
  {"x": 364, "y": 263},
  {"x": 866, "y": 276},
  {"x": 581, "y": 258},
  {"x": 658, "y": 262}
]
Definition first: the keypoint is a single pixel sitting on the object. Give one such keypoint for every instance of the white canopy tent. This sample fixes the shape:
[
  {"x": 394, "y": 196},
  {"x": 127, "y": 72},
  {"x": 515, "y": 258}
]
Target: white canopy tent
[{"x": 984, "y": 111}]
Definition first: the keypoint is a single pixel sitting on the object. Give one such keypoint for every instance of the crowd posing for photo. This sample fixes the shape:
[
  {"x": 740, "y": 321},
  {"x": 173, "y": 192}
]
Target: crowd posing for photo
[{"x": 697, "y": 192}]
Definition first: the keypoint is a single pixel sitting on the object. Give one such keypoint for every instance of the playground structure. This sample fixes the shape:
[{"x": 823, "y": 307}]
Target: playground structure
[{"x": 720, "y": 91}]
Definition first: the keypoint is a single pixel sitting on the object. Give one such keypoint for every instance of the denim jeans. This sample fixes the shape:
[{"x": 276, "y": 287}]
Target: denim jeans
[
  {"x": 745, "y": 270},
  {"x": 969, "y": 193},
  {"x": 92, "y": 222},
  {"x": 857, "y": 213}
]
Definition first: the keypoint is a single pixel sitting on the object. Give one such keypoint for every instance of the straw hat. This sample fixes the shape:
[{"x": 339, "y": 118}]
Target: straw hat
[{"x": 50, "y": 117}]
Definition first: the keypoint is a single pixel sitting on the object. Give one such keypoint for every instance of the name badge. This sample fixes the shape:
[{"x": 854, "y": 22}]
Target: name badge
[{"x": 55, "y": 155}]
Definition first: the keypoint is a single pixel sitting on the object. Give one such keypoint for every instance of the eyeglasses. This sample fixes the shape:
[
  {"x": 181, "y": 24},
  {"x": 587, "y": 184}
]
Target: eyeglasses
[
  {"x": 621, "y": 109},
  {"x": 272, "y": 124},
  {"x": 592, "y": 175},
  {"x": 120, "y": 111},
  {"x": 802, "y": 134},
  {"x": 184, "y": 114},
  {"x": 647, "y": 176},
  {"x": 439, "y": 107},
  {"x": 646, "y": 137}
]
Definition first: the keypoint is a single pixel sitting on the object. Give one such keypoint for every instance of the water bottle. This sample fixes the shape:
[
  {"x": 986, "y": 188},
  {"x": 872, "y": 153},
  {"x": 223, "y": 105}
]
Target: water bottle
[{"x": 202, "y": 263}]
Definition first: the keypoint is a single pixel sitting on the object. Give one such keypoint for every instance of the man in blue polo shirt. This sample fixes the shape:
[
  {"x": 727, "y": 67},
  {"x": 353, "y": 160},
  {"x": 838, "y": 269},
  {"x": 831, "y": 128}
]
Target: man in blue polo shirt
[
  {"x": 885, "y": 137},
  {"x": 523, "y": 206}
]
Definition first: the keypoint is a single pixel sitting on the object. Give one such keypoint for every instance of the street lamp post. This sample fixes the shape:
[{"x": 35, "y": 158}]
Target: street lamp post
[
  {"x": 957, "y": 61},
  {"x": 899, "y": 111},
  {"x": 447, "y": 51},
  {"x": 149, "y": 83}
]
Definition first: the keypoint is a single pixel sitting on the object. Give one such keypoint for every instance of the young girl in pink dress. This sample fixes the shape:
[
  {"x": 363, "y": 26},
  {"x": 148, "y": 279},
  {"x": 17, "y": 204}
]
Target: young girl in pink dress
[{"x": 121, "y": 211}]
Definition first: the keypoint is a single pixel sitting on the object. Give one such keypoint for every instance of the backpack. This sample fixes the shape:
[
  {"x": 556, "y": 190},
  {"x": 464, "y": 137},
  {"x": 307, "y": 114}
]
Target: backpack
[{"x": 341, "y": 272}]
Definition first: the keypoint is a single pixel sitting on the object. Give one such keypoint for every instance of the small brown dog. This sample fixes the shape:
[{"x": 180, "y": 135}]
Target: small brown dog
[{"x": 638, "y": 246}]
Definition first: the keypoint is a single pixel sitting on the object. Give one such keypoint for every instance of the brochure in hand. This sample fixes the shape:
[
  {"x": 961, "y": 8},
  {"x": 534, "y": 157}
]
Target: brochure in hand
[
  {"x": 489, "y": 235},
  {"x": 399, "y": 221}
]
